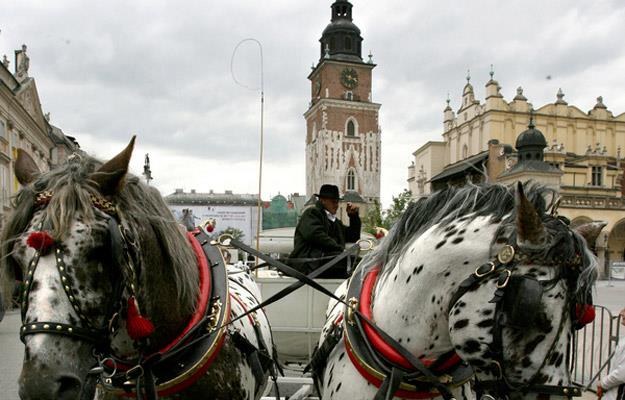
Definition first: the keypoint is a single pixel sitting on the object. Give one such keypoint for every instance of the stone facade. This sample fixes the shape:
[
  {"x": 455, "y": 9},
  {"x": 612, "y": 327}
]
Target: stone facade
[
  {"x": 24, "y": 125},
  {"x": 584, "y": 149},
  {"x": 342, "y": 127}
]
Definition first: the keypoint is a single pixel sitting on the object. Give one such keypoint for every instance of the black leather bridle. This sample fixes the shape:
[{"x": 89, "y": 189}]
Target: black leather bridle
[
  {"x": 502, "y": 268},
  {"x": 124, "y": 253}
]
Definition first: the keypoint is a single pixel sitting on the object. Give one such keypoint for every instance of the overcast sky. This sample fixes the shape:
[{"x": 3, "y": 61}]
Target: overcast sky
[{"x": 161, "y": 70}]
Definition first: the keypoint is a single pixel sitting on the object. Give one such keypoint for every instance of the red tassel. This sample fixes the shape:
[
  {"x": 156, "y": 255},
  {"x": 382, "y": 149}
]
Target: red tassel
[
  {"x": 584, "y": 314},
  {"x": 40, "y": 240},
  {"x": 209, "y": 228},
  {"x": 138, "y": 327}
]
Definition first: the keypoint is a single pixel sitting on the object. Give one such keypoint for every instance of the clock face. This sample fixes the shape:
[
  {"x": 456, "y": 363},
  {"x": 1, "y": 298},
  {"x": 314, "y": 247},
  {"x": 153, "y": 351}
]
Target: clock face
[{"x": 349, "y": 78}]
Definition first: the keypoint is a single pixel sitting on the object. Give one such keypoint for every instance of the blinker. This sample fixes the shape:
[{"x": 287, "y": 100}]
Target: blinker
[{"x": 522, "y": 301}]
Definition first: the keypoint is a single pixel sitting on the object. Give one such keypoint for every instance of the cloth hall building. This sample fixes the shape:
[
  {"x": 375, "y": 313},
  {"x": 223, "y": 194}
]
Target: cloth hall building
[{"x": 578, "y": 153}]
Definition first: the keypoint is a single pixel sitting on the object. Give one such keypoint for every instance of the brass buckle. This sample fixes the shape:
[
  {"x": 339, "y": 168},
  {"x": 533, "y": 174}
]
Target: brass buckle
[
  {"x": 224, "y": 239},
  {"x": 214, "y": 315},
  {"x": 505, "y": 283},
  {"x": 368, "y": 242},
  {"x": 492, "y": 268},
  {"x": 351, "y": 307}
]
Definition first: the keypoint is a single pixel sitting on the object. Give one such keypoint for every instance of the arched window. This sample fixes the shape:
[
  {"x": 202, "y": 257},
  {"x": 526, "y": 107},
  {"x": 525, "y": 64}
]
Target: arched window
[
  {"x": 351, "y": 180},
  {"x": 465, "y": 151},
  {"x": 351, "y": 130}
]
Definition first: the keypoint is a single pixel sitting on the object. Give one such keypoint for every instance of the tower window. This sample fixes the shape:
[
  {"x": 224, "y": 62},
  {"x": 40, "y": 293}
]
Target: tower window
[
  {"x": 331, "y": 44},
  {"x": 348, "y": 43},
  {"x": 351, "y": 180},
  {"x": 351, "y": 130}
]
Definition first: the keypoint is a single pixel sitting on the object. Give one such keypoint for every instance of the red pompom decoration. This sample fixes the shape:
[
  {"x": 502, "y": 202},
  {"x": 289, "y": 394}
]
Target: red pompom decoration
[
  {"x": 209, "y": 228},
  {"x": 40, "y": 240},
  {"x": 584, "y": 314},
  {"x": 379, "y": 235},
  {"x": 138, "y": 327}
]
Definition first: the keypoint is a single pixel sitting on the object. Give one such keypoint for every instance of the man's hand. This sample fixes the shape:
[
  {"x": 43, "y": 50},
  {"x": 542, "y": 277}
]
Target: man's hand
[
  {"x": 351, "y": 209},
  {"x": 599, "y": 391}
]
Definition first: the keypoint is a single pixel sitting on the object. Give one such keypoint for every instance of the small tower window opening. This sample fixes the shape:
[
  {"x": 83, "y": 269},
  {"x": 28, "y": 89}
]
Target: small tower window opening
[
  {"x": 348, "y": 43},
  {"x": 465, "y": 151},
  {"x": 597, "y": 176},
  {"x": 331, "y": 44},
  {"x": 351, "y": 180},
  {"x": 351, "y": 129},
  {"x": 349, "y": 95}
]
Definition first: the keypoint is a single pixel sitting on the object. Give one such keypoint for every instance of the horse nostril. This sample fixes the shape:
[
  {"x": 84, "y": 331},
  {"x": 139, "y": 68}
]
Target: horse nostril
[{"x": 69, "y": 387}]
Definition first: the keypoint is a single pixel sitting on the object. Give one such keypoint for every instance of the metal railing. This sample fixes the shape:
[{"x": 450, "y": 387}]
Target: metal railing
[{"x": 593, "y": 346}]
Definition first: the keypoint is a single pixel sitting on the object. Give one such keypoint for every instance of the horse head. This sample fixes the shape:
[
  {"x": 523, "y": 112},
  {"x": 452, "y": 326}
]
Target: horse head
[
  {"x": 520, "y": 316},
  {"x": 83, "y": 237}
]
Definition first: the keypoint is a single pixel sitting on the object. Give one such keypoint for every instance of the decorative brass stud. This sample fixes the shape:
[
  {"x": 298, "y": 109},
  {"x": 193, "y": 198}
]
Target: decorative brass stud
[
  {"x": 63, "y": 278},
  {"x": 506, "y": 254},
  {"x": 59, "y": 327},
  {"x": 46, "y": 326},
  {"x": 33, "y": 326},
  {"x": 27, "y": 282},
  {"x": 565, "y": 390},
  {"x": 67, "y": 288},
  {"x": 70, "y": 330},
  {"x": 62, "y": 268},
  {"x": 71, "y": 298}
]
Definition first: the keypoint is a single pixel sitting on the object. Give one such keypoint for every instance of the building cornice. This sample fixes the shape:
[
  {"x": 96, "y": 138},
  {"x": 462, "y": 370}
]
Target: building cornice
[
  {"x": 347, "y": 104},
  {"x": 330, "y": 61}
]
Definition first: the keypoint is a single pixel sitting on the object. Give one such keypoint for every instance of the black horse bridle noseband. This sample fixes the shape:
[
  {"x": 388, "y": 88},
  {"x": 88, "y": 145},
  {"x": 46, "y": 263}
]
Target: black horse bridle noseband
[
  {"x": 124, "y": 253},
  {"x": 501, "y": 268}
]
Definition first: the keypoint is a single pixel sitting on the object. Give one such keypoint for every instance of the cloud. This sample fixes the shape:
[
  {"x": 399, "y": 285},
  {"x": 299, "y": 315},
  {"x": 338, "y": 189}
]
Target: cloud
[{"x": 162, "y": 70}]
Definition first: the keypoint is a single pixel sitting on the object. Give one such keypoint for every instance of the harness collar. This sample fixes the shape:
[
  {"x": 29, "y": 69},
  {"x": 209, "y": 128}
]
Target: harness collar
[
  {"x": 180, "y": 363},
  {"x": 378, "y": 362}
]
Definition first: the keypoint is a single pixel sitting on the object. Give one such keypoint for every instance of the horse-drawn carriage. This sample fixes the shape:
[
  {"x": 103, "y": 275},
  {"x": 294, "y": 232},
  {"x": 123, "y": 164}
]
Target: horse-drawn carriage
[{"x": 475, "y": 290}]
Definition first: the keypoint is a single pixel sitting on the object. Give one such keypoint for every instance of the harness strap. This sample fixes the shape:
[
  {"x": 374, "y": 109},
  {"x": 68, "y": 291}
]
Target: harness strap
[
  {"x": 308, "y": 279},
  {"x": 390, "y": 385}
]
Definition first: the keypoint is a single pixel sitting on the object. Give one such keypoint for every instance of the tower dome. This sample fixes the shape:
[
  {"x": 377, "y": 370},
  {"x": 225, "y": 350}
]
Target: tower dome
[
  {"x": 341, "y": 39},
  {"x": 531, "y": 143}
]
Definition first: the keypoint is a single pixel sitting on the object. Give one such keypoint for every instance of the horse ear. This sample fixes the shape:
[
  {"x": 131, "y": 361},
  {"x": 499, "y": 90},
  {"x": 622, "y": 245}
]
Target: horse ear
[
  {"x": 530, "y": 229},
  {"x": 26, "y": 169},
  {"x": 590, "y": 231},
  {"x": 110, "y": 176}
]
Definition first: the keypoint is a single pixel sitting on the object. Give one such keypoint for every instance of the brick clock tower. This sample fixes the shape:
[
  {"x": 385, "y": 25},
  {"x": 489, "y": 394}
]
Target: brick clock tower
[{"x": 342, "y": 131}]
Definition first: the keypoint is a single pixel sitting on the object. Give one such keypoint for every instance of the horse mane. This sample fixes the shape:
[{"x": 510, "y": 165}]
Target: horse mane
[
  {"x": 467, "y": 203},
  {"x": 141, "y": 206}
]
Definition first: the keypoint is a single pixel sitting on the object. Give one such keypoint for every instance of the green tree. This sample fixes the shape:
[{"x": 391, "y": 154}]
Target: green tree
[
  {"x": 234, "y": 232},
  {"x": 373, "y": 218},
  {"x": 397, "y": 208}
]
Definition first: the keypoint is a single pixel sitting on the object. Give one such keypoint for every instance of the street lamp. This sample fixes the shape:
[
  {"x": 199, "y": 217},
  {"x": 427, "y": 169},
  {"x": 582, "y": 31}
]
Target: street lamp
[{"x": 262, "y": 105}]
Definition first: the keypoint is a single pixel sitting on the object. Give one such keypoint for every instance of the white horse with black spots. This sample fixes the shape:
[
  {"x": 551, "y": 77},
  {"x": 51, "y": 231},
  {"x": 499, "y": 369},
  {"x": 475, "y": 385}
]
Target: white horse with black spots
[{"x": 485, "y": 272}]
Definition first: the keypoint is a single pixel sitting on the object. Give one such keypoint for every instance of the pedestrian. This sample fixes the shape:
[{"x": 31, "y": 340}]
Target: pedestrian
[
  {"x": 321, "y": 234},
  {"x": 612, "y": 386}
]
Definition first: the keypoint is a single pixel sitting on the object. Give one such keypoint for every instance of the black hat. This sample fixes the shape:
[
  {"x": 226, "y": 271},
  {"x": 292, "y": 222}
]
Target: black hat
[{"x": 329, "y": 191}]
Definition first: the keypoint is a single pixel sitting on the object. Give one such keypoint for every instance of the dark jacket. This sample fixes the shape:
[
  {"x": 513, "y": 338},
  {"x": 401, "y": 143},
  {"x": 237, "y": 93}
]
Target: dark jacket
[{"x": 317, "y": 236}]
